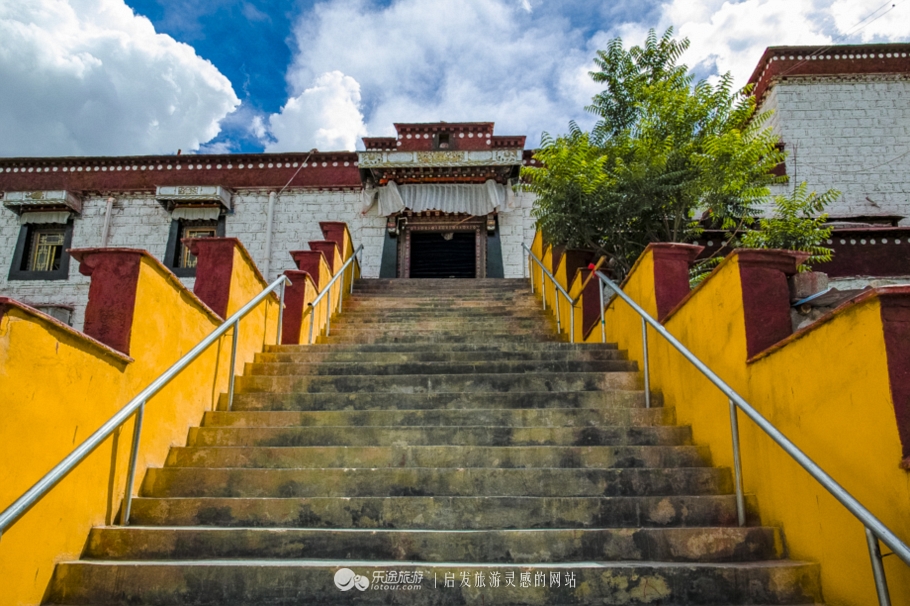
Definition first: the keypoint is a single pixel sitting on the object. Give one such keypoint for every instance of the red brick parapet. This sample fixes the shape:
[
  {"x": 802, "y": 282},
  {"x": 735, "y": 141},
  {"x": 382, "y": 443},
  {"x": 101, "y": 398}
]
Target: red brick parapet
[
  {"x": 329, "y": 249},
  {"x": 111, "y": 307},
  {"x": 215, "y": 270},
  {"x": 895, "y": 309},
  {"x": 766, "y": 295},
  {"x": 309, "y": 261},
  {"x": 336, "y": 231},
  {"x": 295, "y": 304},
  {"x": 671, "y": 273},
  {"x": 6, "y": 304},
  {"x": 214, "y": 267},
  {"x": 112, "y": 293}
]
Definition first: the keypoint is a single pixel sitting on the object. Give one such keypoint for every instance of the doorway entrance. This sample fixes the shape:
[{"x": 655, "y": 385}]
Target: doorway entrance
[
  {"x": 443, "y": 254},
  {"x": 440, "y": 245}
]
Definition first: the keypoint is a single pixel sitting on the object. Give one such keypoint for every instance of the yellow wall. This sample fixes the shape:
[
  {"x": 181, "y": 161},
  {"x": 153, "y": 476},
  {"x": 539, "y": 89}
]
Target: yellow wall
[
  {"x": 341, "y": 288},
  {"x": 309, "y": 295},
  {"x": 258, "y": 328},
  {"x": 827, "y": 390},
  {"x": 57, "y": 387}
]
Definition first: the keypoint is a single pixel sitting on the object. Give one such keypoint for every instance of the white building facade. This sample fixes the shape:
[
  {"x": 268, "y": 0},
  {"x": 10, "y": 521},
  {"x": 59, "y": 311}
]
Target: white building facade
[{"x": 151, "y": 202}]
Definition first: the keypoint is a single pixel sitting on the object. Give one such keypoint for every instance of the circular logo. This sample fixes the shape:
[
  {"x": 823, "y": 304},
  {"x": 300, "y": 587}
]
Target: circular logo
[{"x": 345, "y": 579}]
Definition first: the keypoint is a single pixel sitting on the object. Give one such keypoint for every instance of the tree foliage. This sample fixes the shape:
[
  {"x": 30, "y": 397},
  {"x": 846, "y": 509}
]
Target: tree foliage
[
  {"x": 664, "y": 147},
  {"x": 798, "y": 223}
]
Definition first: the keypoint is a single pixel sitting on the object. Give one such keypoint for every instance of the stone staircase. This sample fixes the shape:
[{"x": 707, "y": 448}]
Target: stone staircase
[{"x": 442, "y": 446}]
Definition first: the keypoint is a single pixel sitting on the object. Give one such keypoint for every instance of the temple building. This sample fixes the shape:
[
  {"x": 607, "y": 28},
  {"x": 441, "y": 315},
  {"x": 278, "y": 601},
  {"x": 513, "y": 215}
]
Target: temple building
[
  {"x": 439, "y": 199},
  {"x": 435, "y": 201}
]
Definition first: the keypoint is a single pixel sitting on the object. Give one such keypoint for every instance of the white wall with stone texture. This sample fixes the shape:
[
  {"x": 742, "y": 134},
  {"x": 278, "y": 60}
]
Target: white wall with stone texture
[
  {"x": 139, "y": 221},
  {"x": 847, "y": 133}
]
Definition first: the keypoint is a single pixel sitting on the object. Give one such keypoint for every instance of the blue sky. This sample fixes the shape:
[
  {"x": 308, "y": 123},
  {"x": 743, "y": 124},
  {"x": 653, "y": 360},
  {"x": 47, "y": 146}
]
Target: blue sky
[{"x": 106, "y": 77}]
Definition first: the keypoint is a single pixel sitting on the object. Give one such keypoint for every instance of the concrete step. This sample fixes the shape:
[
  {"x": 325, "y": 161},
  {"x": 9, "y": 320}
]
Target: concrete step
[
  {"x": 717, "y": 544},
  {"x": 470, "y": 313},
  {"x": 528, "y": 417},
  {"x": 427, "y": 285},
  {"x": 488, "y": 346},
  {"x": 291, "y": 582},
  {"x": 444, "y": 513},
  {"x": 316, "y": 355},
  {"x": 478, "y": 336},
  {"x": 437, "y": 368},
  {"x": 447, "y": 325},
  {"x": 503, "y": 435},
  {"x": 265, "y": 401},
  {"x": 422, "y": 481},
  {"x": 429, "y": 383},
  {"x": 451, "y": 299},
  {"x": 290, "y": 457},
  {"x": 429, "y": 306}
]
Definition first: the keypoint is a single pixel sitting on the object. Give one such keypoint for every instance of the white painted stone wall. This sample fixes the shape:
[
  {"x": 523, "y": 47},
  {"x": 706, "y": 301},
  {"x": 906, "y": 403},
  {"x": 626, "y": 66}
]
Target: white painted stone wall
[
  {"x": 139, "y": 221},
  {"x": 850, "y": 134},
  {"x": 516, "y": 227}
]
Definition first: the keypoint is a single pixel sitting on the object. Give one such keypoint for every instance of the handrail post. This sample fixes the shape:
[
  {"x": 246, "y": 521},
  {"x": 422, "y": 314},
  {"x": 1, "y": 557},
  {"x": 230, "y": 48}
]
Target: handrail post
[
  {"x": 571, "y": 318},
  {"x": 312, "y": 321},
  {"x": 543, "y": 290},
  {"x": 328, "y": 314},
  {"x": 558, "y": 320},
  {"x": 233, "y": 364},
  {"x": 603, "y": 328},
  {"x": 131, "y": 471},
  {"x": 647, "y": 364},
  {"x": 878, "y": 571},
  {"x": 737, "y": 465},
  {"x": 531, "y": 273},
  {"x": 280, "y": 312}
]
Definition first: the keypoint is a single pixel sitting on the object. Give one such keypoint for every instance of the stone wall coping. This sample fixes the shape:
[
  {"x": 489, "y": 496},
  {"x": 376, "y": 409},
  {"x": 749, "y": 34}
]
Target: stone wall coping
[
  {"x": 56, "y": 325},
  {"x": 79, "y": 254},
  {"x": 899, "y": 290},
  {"x": 191, "y": 242}
]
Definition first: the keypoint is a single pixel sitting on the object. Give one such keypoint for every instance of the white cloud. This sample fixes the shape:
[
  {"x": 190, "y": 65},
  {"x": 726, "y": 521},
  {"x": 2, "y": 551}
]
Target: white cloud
[
  {"x": 452, "y": 60},
  {"x": 891, "y": 22},
  {"x": 87, "y": 77},
  {"x": 326, "y": 115},
  {"x": 731, "y": 36},
  {"x": 459, "y": 60}
]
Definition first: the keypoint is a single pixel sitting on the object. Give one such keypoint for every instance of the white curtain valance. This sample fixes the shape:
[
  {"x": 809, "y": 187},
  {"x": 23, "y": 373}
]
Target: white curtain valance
[
  {"x": 61, "y": 216},
  {"x": 477, "y": 200},
  {"x": 195, "y": 213}
]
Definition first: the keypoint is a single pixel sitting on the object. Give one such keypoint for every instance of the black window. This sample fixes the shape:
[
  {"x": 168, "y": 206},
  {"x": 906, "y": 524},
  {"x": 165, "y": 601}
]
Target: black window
[
  {"x": 177, "y": 257},
  {"x": 41, "y": 252}
]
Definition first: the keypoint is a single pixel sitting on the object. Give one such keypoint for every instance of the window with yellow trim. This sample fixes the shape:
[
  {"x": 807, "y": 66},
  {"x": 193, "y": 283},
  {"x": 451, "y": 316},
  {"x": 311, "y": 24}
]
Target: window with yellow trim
[
  {"x": 45, "y": 250},
  {"x": 187, "y": 259}
]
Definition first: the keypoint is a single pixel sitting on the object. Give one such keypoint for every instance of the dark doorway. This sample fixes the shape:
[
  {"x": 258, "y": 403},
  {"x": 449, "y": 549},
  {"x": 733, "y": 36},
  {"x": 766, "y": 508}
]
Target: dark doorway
[{"x": 435, "y": 256}]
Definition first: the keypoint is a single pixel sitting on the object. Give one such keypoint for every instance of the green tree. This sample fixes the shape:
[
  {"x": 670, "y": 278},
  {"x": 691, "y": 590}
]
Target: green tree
[
  {"x": 798, "y": 223},
  {"x": 664, "y": 147}
]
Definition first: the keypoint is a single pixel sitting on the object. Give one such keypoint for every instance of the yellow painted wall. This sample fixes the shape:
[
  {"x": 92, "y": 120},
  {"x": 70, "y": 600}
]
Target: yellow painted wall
[
  {"x": 57, "y": 387},
  {"x": 259, "y": 327},
  {"x": 325, "y": 304},
  {"x": 330, "y": 302},
  {"x": 828, "y": 391},
  {"x": 308, "y": 297}
]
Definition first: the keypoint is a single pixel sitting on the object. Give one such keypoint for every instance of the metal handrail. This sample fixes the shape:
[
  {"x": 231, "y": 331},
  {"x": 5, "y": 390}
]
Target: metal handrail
[
  {"x": 559, "y": 289},
  {"x": 311, "y": 307},
  {"x": 875, "y": 529},
  {"x": 137, "y": 406}
]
